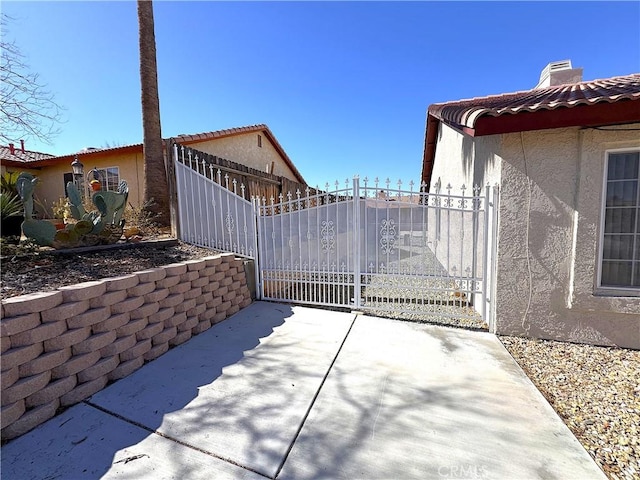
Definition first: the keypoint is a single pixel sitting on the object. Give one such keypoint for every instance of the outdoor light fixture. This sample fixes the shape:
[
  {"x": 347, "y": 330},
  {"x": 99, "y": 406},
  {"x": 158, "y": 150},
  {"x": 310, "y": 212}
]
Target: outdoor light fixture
[
  {"x": 77, "y": 167},
  {"x": 78, "y": 172}
]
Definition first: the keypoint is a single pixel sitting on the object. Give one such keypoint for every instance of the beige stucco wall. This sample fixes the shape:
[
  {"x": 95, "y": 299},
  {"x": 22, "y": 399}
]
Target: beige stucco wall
[
  {"x": 462, "y": 160},
  {"x": 551, "y": 185},
  {"x": 244, "y": 149},
  {"x": 51, "y": 185}
]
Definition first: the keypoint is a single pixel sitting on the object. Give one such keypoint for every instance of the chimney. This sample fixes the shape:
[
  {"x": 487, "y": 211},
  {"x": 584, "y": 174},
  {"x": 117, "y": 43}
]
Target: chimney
[
  {"x": 559, "y": 73},
  {"x": 22, "y": 145},
  {"x": 12, "y": 149}
]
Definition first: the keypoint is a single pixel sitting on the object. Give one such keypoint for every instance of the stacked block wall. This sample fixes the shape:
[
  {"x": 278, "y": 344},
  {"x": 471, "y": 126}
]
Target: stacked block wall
[{"x": 61, "y": 347}]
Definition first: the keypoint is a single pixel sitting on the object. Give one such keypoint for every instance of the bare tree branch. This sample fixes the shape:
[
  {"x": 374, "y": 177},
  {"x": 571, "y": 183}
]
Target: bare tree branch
[{"x": 27, "y": 108}]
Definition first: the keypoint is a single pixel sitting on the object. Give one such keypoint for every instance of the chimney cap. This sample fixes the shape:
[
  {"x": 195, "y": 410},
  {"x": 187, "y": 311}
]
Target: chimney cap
[{"x": 559, "y": 73}]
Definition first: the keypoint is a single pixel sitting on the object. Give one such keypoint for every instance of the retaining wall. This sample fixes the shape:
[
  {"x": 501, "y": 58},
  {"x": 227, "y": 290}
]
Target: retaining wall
[{"x": 60, "y": 347}]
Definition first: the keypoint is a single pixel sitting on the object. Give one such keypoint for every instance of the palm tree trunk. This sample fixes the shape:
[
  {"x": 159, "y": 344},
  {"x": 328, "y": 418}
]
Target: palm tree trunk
[{"x": 155, "y": 195}]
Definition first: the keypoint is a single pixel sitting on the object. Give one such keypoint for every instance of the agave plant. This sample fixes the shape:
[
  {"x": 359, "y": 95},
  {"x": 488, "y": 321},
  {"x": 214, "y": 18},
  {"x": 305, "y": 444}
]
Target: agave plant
[
  {"x": 8, "y": 182},
  {"x": 10, "y": 205}
]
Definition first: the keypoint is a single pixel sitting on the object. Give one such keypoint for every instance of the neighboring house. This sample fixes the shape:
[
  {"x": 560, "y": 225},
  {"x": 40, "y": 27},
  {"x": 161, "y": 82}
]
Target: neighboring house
[
  {"x": 567, "y": 159},
  {"x": 253, "y": 146},
  {"x": 14, "y": 158}
]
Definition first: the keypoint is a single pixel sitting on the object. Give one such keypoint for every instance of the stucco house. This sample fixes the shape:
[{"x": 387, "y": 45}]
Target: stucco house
[
  {"x": 566, "y": 157},
  {"x": 253, "y": 146}
]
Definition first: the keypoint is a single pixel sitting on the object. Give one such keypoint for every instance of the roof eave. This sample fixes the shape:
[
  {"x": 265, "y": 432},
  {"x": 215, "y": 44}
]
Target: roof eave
[
  {"x": 590, "y": 115},
  {"x": 199, "y": 138},
  {"x": 429, "y": 152}
]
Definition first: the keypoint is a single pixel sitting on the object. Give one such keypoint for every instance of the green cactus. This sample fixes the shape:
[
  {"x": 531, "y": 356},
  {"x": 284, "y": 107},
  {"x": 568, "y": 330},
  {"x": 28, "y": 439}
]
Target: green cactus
[
  {"x": 103, "y": 225},
  {"x": 41, "y": 231},
  {"x": 75, "y": 199}
]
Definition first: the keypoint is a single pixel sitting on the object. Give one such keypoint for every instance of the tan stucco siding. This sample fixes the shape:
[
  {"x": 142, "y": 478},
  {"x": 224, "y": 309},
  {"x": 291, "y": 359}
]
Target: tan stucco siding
[
  {"x": 617, "y": 318},
  {"x": 244, "y": 149},
  {"x": 550, "y": 213},
  {"x": 538, "y": 181},
  {"x": 551, "y": 187},
  {"x": 463, "y": 160}
]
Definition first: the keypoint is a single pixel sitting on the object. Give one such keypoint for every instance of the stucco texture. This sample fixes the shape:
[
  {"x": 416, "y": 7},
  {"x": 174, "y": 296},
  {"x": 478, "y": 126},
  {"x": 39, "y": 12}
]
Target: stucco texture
[
  {"x": 51, "y": 185},
  {"x": 244, "y": 149},
  {"x": 241, "y": 148},
  {"x": 551, "y": 184}
]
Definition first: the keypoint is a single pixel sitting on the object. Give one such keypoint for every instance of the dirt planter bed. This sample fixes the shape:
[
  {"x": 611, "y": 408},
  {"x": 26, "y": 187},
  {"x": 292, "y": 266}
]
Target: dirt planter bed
[{"x": 60, "y": 347}]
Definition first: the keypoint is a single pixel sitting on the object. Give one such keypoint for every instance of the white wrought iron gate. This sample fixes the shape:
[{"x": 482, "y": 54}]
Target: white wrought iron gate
[
  {"x": 363, "y": 245},
  {"x": 384, "y": 250}
]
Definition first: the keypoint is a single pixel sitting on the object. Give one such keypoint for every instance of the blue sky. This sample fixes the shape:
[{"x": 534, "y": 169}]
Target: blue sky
[{"x": 344, "y": 86}]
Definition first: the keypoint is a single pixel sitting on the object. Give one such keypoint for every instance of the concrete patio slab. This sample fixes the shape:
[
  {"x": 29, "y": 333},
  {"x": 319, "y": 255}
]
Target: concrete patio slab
[
  {"x": 299, "y": 393},
  {"x": 412, "y": 401},
  {"x": 85, "y": 443},
  {"x": 240, "y": 390}
]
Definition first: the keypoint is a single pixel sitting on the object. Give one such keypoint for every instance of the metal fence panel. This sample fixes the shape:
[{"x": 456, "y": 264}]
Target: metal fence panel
[
  {"x": 387, "y": 251},
  {"x": 212, "y": 212},
  {"x": 305, "y": 249},
  {"x": 384, "y": 250}
]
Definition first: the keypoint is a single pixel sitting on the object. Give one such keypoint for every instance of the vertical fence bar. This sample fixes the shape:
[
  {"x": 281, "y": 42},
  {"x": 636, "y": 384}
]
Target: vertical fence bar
[
  {"x": 179, "y": 172},
  {"x": 255, "y": 204},
  {"x": 485, "y": 261},
  {"x": 494, "y": 260},
  {"x": 357, "y": 251},
  {"x": 474, "y": 247},
  {"x": 235, "y": 205},
  {"x": 462, "y": 204}
]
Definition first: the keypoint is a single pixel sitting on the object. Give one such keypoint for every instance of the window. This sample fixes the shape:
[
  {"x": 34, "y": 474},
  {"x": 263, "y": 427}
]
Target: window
[
  {"x": 109, "y": 177},
  {"x": 260, "y": 141},
  {"x": 620, "y": 260}
]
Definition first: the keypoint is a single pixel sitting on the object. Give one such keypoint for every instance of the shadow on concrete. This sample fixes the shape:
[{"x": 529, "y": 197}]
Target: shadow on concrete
[{"x": 115, "y": 427}]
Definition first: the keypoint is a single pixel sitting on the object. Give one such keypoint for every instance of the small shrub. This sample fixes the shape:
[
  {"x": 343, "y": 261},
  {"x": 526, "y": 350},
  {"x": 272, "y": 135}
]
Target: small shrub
[
  {"x": 142, "y": 219},
  {"x": 61, "y": 210},
  {"x": 12, "y": 246}
]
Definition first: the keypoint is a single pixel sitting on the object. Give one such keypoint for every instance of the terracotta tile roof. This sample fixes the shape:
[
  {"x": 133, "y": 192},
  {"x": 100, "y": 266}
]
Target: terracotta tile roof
[
  {"x": 97, "y": 151},
  {"x": 20, "y": 157},
  {"x": 609, "y": 101},
  {"x": 199, "y": 137},
  {"x": 46, "y": 159},
  {"x": 465, "y": 113},
  {"x": 196, "y": 137}
]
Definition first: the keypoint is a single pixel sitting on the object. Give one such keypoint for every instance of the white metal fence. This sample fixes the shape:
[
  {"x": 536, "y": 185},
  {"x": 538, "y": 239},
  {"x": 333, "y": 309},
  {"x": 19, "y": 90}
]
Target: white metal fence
[
  {"x": 365, "y": 245},
  {"x": 212, "y": 213},
  {"x": 380, "y": 249}
]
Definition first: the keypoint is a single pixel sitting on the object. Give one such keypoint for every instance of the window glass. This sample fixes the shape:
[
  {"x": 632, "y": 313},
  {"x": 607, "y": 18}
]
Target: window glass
[
  {"x": 109, "y": 177},
  {"x": 620, "y": 263}
]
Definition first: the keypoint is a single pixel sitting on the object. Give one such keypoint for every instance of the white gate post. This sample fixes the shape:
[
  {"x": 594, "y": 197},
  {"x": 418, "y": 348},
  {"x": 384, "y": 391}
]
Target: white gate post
[
  {"x": 494, "y": 258},
  {"x": 255, "y": 203},
  {"x": 486, "y": 295},
  {"x": 356, "y": 243},
  {"x": 178, "y": 174}
]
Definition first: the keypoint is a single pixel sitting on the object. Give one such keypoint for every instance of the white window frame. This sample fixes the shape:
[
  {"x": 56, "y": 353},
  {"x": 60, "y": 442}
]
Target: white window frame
[
  {"x": 103, "y": 177},
  {"x": 605, "y": 289}
]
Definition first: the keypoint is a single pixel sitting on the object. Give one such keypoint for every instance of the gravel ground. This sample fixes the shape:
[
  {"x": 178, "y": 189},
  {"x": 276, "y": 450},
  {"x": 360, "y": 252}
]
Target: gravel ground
[{"x": 595, "y": 390}]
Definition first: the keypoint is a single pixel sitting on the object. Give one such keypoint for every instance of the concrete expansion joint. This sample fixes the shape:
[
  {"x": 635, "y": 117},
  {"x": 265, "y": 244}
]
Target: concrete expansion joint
[
  {"x": 313, "y": 400},
  {"x": 168, "y": 437}
]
